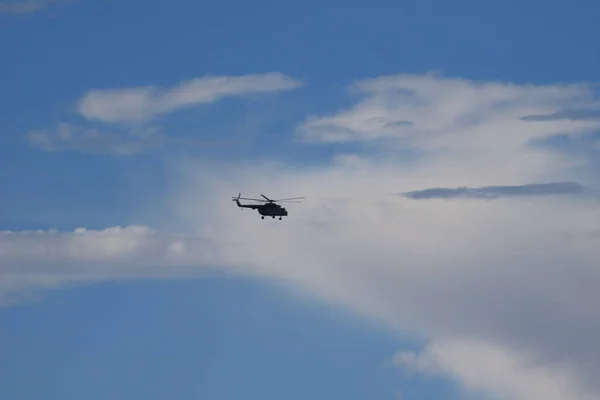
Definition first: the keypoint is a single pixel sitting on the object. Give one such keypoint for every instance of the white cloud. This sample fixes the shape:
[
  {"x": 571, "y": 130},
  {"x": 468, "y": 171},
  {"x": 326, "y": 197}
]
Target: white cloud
[
  {"x": 431, "y": 112},
  {"x": 521, "y": 273},
  {"x": 515, "y": 274},
  {"x": 140, "y": 104},
  {"x": 490, "y": 370},
  {"x": 33, "y": 260}
]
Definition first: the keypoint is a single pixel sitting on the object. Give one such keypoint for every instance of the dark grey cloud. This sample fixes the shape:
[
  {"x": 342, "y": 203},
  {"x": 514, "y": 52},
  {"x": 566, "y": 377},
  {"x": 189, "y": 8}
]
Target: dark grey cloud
[
  {"x": 391, "y": 124},
  {"x": 570, "y": 114},
  {"x": 532, "y": 189}
]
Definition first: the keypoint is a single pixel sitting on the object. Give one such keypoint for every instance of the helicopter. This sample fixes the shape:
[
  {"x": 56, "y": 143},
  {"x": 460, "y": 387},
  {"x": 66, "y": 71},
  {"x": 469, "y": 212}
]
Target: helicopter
[{"x": 269, "y": 209}]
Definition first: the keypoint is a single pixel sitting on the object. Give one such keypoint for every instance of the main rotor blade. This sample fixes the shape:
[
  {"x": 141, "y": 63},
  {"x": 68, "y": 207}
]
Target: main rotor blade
[
  {"x": 291, "y": 198},
  {"x": 268, "y": 199},
  {"x": 246, "y": 198}
]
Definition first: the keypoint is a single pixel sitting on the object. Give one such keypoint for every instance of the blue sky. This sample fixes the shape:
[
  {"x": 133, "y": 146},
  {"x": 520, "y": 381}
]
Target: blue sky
[
  {"x": 228, "y": 337},
  {"x": 218, "y": 337}
]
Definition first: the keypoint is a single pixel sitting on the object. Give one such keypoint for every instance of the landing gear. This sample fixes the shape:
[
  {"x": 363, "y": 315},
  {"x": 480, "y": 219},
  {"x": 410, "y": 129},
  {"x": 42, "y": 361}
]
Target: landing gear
[
  {"x": 262, "y": 217},
  {"x": 280, "y": 218}
]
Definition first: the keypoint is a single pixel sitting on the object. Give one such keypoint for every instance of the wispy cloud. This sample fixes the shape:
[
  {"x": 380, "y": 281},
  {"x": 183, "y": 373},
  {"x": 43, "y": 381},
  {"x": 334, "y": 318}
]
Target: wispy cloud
[
  {"x": 131, "y": 109},
  {"x": 69, "y": 137},
  {"x": 141, "y": 104},
  {"x": 488, "y": 192},
  {"x": 435, "y": 113},
  {"x": 28, "y": 6}
]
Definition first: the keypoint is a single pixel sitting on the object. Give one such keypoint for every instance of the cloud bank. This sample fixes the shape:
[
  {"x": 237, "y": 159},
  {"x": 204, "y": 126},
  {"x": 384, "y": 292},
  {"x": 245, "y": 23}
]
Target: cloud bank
[
  {"x": 489, "y": 370},
  {"x": 505, "y": 292},
  {"x": 33, "y": 260},
  {"x": 510, "y": 277}
]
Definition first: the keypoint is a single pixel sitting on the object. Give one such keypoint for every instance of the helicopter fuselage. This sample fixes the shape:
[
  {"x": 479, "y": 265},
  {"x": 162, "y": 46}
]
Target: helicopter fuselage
[
  {"x": 272, "y": 210},
  {"x": 266, "y": 210}
]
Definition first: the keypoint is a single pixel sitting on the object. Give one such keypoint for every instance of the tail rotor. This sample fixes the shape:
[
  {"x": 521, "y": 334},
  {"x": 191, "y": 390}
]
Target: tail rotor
[{"x": 237, "y": 200}]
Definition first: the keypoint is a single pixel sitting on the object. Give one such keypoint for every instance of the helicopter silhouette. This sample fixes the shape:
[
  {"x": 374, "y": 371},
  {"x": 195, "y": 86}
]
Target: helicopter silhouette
[{"x": 270, "y": 208}]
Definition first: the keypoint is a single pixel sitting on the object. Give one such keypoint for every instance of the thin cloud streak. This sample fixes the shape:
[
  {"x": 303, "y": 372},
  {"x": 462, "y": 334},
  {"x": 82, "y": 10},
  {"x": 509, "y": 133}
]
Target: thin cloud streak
[
  {"x": 92, "y": 141},
  {"x": 28, "y": 6},
  {"x": 570, "y": 114}
]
